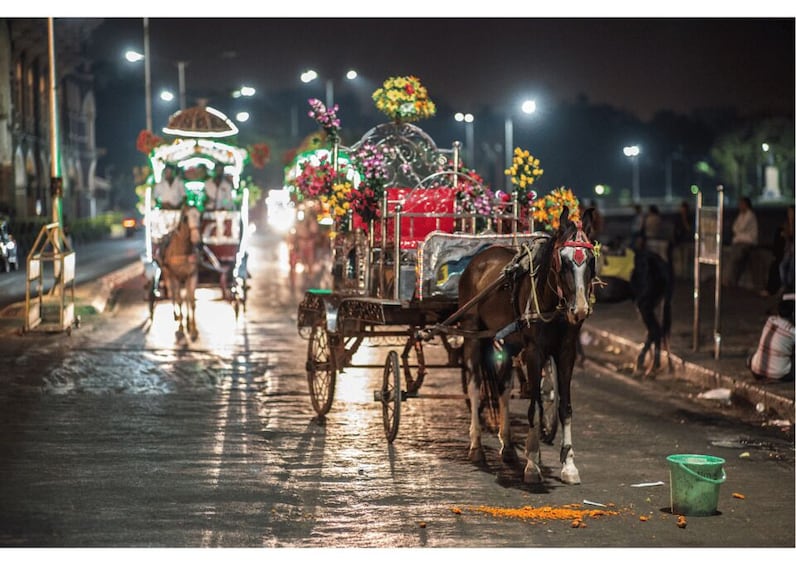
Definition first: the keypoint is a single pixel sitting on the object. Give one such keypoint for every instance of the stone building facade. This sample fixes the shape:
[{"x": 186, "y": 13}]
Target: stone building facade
[{"x": 25, "y": 123}]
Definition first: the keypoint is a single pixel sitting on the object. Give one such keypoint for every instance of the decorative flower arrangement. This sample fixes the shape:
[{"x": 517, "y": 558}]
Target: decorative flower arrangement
[
  {"x": 338, "y": 200},
  {"x": 404, "y": 99},
  {"x": 326, "y": 118},
  {"x": 371, "y": 162},
  {"x": 315, "y": 181},
  {"x": 524, "y": 171},
  {"x": 260, "y": 154},
  {"x": 547, "y": 209},
  {"x": 474, "y": 196},
  {"x": 147, "y": 141}
]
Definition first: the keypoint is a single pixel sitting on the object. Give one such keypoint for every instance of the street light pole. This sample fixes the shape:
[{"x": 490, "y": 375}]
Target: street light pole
[
  {"x": 469, "y": 142},
  {"x": 509, "y": 148},
  {"x": 329, "y": 93},
  {"x": 528, "y": 107},
  {"x": 181, "y": 73},
  {"x": 148, "y": 76},
  {"x": 633, "y": 151}
]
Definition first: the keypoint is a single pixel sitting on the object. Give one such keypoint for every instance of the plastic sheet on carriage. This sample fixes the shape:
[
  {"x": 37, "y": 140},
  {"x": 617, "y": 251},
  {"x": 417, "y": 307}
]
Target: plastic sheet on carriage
[{"x": 443, "y": 257}]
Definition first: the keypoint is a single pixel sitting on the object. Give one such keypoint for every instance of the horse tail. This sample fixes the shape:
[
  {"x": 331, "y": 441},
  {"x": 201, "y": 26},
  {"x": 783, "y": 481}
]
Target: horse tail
[{"x": 497, "y": 366}]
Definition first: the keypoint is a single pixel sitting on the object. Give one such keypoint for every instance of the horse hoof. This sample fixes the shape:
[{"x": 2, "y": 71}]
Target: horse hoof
[
  {"x": 508, "y": 455},
  {"x": 532, "y": 475},
  {"x": 570, "y": 476},
  {"x": 477, "y": 455}
]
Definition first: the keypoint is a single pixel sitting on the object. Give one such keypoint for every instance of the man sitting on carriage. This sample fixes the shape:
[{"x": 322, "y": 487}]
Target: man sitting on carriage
[
  {"x": 170, "y": 191},
  {"x": 219, "y": 191}
]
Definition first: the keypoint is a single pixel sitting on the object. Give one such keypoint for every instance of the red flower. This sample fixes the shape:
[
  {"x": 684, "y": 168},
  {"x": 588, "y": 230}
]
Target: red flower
[
  {"x": 147, "y": 141},
  {"x": 409, "y": 88},
  {"x": 260, "y": 153}
]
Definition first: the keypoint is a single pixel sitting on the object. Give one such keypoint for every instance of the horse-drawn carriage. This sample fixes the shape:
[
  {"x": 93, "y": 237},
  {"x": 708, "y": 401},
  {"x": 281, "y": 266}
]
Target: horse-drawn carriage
[
  {"x": 414, "y": 272},
  {"x": 214, "y": 236}
]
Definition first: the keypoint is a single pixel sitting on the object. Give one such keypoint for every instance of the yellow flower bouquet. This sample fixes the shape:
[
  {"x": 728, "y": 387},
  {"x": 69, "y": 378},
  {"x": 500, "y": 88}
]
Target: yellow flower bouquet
[
  {"x": 524, "y": 171},
  {"x": 404, "y": 99},
  {"x": 547, "y": 209}
]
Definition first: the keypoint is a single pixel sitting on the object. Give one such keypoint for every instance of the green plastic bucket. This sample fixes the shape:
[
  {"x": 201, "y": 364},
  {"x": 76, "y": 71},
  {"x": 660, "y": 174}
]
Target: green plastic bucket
[{"x": 694, "y": 481}]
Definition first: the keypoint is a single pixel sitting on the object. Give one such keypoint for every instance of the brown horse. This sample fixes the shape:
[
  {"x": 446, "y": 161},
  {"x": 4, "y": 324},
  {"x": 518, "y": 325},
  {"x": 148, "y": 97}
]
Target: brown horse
[
  {"x": 179, "y": 261},
  {"x": 538, "y": 312}
]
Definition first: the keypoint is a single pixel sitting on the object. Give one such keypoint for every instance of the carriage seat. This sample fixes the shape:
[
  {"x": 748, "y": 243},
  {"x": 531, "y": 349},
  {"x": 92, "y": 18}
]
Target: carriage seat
[{"x": 418, "y": 203}]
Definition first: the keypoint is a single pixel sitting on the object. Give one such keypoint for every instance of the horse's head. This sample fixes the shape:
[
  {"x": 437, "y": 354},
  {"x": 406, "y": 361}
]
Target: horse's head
[
  {"x": 190, "y": 220},
  {"x": 574, "y": 265}
]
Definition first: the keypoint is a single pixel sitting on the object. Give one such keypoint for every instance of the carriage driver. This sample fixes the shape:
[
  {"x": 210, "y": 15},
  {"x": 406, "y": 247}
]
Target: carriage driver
[
  {"x": 170, "y": 191},
  {"x": 219, "y": 191}
]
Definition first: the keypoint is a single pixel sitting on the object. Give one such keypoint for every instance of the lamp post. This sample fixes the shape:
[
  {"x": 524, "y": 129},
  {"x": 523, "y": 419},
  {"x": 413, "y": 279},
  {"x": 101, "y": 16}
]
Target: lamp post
[
  {"x": 632, "y": 152},
  {"x": 527, "y": 107},
  {"x": 310, "y": 75},
  {"x": 469, "y": 142}
]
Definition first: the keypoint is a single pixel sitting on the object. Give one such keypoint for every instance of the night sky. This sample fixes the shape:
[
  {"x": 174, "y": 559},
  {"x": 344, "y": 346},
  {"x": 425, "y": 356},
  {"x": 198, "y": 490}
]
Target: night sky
[{"x": 641, "y": 65}]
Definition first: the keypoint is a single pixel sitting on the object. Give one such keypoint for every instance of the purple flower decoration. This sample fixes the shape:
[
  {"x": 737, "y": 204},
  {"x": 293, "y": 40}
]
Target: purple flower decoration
[{"x": 326, "y": 118}]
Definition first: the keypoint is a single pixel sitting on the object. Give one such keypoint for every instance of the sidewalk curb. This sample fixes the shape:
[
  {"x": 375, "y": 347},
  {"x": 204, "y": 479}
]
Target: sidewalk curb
[
  {"x": 97, "y": 293},
  {"x": 704, "y": 377}
]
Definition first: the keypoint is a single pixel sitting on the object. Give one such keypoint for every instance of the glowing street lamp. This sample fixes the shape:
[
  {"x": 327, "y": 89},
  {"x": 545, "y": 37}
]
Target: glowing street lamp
[
  {"x": 632, "y": 152},
  {"x": 246, "y": 91},
  {"x": 242, "y": 116},
  {"x": 166, "y": 95},
  {"x": 310, "y": 75},
  {"x": 527, "y": 107},
  {"x": 133, "y": 56}
]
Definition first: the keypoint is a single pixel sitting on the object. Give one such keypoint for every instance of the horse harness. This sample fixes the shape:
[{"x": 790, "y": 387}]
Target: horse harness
[
  {"x": 511, "y": 276},
  {"x": 522, "y": 264}
]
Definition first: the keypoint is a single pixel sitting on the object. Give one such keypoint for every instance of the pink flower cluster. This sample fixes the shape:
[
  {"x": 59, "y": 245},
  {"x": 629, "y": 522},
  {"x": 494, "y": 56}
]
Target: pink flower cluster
[
  {"x": 326, "y": 118},
  {"x": 371, "y": 161}
]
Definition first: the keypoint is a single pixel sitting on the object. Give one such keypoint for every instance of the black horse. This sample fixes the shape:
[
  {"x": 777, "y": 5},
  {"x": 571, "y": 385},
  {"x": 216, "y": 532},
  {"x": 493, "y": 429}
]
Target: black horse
[
  {"x": 534, "y": 304},
  {"x": 651, "y": 286}
]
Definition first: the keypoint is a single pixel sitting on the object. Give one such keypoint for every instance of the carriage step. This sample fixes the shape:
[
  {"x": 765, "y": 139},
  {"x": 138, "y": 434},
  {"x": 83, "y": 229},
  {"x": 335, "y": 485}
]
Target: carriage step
[{"x": 378, "y": 396}]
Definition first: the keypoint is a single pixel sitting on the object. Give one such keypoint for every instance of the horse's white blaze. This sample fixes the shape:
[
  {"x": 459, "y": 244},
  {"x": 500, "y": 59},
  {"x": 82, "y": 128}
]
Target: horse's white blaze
[{"x": 582, "y": 307}]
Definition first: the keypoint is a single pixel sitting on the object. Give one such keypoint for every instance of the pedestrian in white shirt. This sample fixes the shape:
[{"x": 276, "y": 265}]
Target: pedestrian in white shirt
[
  {"x": 773, "y": 358},
  {"x": 170, "y": 191},
  {"x": 744, "y": 240}
]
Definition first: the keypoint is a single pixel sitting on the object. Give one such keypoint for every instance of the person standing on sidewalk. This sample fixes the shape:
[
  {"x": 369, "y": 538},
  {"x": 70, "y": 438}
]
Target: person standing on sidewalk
[
  {"x": 744, "y": 240},
  {"x": 773, "y": 358}
]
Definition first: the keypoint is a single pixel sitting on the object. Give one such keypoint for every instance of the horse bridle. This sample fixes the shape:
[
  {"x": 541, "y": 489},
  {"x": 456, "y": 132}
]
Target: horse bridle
[{"x": 580, "y": 242}]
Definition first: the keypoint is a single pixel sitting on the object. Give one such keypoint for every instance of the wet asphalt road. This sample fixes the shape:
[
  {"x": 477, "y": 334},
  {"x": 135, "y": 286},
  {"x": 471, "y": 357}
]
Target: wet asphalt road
[{"x": 123, "y": 436}]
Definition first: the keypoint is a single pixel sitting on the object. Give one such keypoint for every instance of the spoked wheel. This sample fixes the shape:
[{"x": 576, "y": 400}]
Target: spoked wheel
[
  {"x": 321, "y": 370},
  {"x": 391, "y": 396},
  {"x": 414, "y": 348},
  {"x": 549, "y": 395}
]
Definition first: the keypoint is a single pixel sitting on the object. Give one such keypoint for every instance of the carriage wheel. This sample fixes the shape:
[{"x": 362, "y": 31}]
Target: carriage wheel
[
  {"x": 391, "y": 396},
  {"x": 414, "y": 348},
  {"x": 549, "y": 397},
  {"x": 321, "y": 370}
]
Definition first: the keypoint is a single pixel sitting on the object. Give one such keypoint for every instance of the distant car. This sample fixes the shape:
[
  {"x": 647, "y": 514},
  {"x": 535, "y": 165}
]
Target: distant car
[
  {"x": 8, "y": 249},
  {"x": 129, "y": 225}
]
